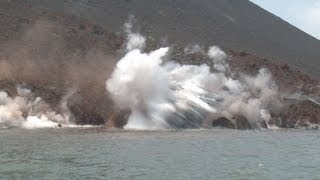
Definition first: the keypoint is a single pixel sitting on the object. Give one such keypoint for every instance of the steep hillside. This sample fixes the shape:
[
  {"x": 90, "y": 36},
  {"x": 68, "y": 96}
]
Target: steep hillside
[{"x": 232, "y": 24}]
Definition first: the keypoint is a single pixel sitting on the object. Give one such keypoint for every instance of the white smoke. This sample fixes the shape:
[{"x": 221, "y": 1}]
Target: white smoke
[
  {"x": 28, "y": 112},
  {"x": 134, "y": 40},
  {"x": 196, "y": 48},
  {"x": 218, "y": 57},
  {"x": 164, "y": 94},
  {"x": 140, "y": 84}
]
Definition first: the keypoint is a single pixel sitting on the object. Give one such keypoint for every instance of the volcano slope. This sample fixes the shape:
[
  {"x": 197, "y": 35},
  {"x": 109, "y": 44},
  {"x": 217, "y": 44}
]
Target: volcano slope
[{"x": 58, "y": 47}]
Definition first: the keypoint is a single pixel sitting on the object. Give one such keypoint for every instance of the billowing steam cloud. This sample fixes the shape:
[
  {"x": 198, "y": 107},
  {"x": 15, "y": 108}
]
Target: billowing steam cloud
[
  {"x": 141, "y": 84},
  {"x": 162, "y": 94},
  {"x": 28, "y": 112},
  {"x": 135, "y": 40}
]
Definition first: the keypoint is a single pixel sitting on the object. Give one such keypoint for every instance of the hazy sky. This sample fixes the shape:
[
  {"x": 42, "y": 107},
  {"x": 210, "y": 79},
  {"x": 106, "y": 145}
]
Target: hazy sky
[{"x": 304, "y": 14}]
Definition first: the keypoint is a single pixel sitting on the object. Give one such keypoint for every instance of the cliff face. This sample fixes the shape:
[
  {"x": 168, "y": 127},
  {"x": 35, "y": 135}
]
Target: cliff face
[{"x": 232, "y": 24}]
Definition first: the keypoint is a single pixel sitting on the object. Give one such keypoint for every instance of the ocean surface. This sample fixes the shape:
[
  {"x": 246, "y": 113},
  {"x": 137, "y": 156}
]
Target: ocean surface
[{"x": 97, "y": 153}]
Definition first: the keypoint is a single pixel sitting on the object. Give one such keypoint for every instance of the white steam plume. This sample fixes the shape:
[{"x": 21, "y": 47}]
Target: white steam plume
[
  {"x": 163, "y": 94},
  {"x": 140, "y": 84},
  {"x": 28, "y": 112},
  {"x": 134, "y": 40}
]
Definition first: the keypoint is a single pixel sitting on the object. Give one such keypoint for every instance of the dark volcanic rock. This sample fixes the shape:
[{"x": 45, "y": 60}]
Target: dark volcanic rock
[
  {"x": 118, "y": 119},
  {"x": 238, "y": 122},
  {"x": 300, "y": 114},
  {"x": 9, "y": 87},
  {"x": 223, "y": 122},
  {"x": 242, "y": 123}
]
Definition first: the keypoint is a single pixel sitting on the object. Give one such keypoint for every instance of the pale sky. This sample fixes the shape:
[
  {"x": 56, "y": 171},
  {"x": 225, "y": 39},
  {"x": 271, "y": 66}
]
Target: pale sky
[{"x": 304, "y": 14}]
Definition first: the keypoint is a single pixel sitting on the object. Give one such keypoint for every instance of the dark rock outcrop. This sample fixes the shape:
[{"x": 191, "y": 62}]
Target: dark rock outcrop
[
  {"x": 9, "y": 87},
  {"x": 301, "y": 114},
  {"x": 242, "y": 123},
  {"x": 238, "y": 122},
  {"x": 118, "y": 119},
  {"x": 223, "y": 122}
]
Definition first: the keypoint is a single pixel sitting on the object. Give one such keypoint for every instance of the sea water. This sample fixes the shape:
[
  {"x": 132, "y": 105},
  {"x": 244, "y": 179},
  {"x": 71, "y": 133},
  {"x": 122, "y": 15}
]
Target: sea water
[{"x": 98, "y": 153}]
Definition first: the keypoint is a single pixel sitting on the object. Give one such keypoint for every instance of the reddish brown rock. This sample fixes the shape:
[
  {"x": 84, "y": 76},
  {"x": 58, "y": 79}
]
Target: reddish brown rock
[
  {"x": 118, "y": 119},
  {"x": 301, "y": 114}
]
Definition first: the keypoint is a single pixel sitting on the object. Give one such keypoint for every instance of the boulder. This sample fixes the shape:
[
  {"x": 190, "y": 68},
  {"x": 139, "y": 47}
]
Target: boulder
[
  {"x": 118, "y": 119},
  {"x": 223, "y": 122}
]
